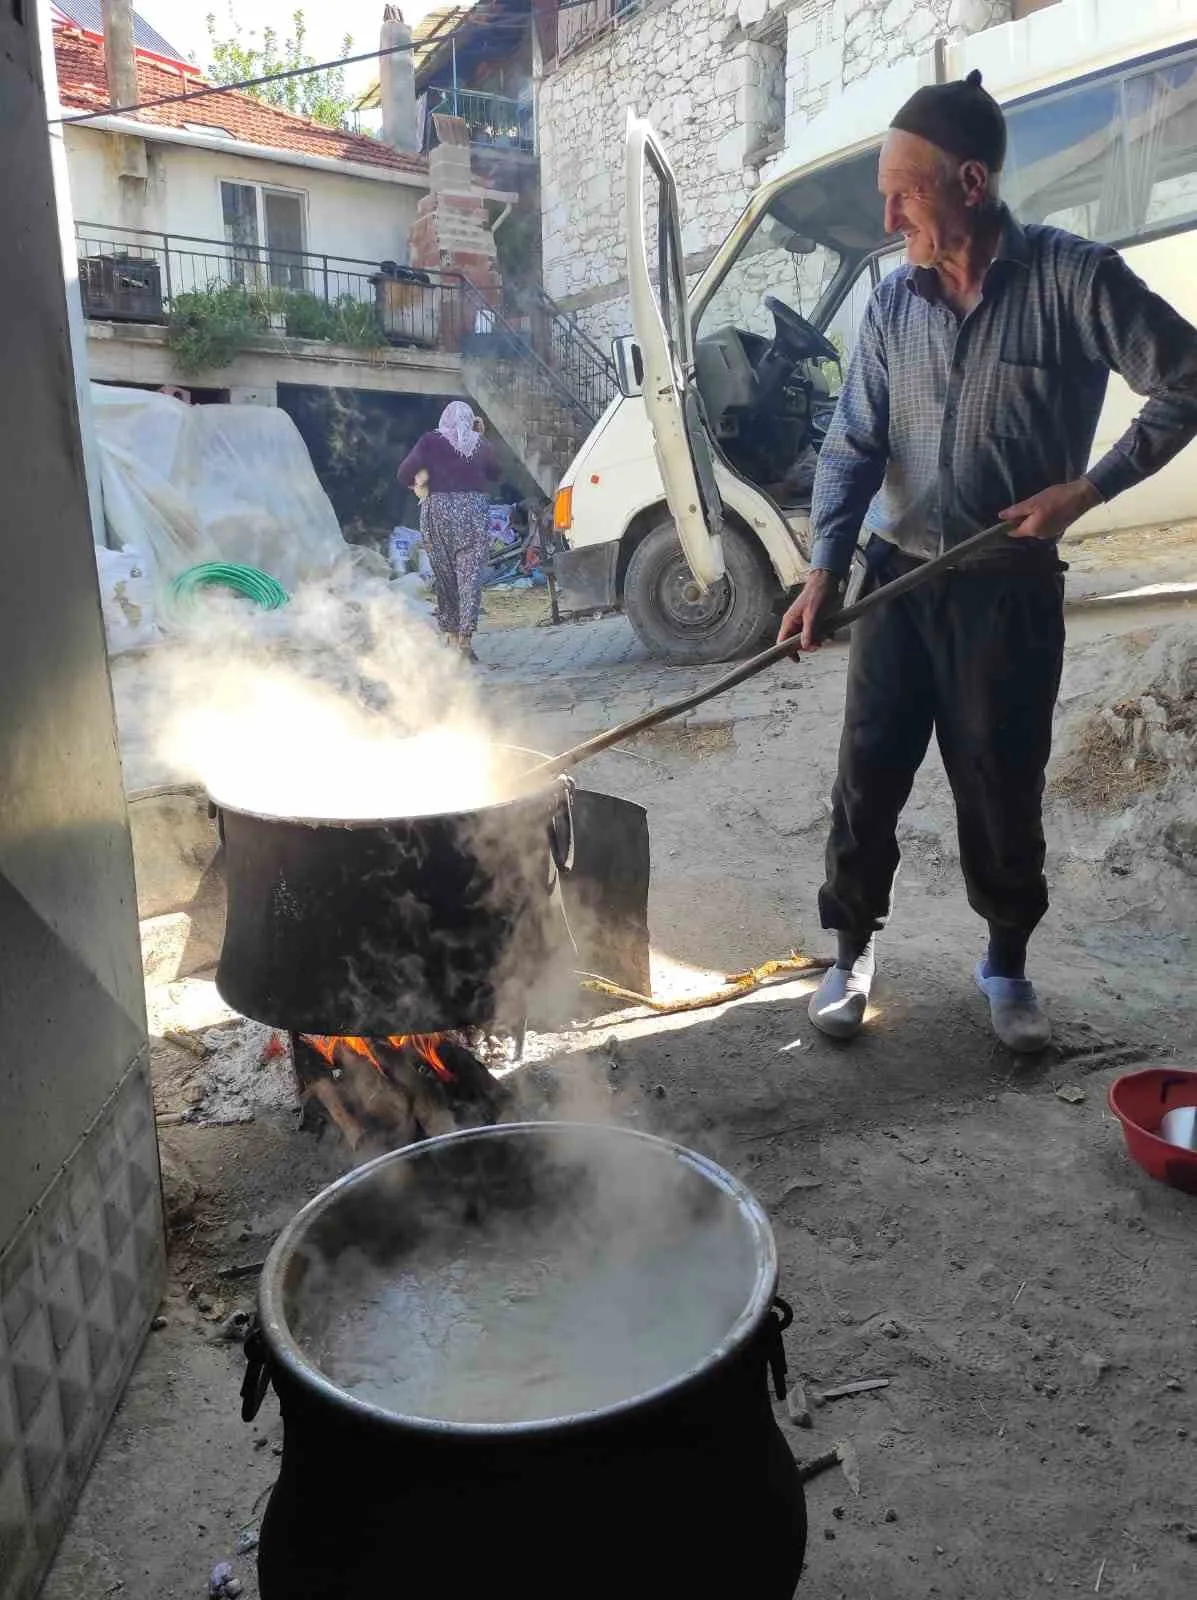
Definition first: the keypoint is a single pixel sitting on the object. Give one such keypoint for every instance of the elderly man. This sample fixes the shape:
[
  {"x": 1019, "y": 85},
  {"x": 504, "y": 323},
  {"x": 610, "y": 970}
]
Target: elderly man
[{"x": 973, "y": 396}]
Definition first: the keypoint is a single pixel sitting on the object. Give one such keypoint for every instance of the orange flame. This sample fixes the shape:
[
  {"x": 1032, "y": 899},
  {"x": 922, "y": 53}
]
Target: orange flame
[{"x": 424, "y": 1044}]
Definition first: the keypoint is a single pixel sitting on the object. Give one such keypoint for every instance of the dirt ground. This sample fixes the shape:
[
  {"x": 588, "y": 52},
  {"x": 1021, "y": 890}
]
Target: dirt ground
[
  {"x": 515, "y": 608},
  {"x": 944, "y": 1218}
]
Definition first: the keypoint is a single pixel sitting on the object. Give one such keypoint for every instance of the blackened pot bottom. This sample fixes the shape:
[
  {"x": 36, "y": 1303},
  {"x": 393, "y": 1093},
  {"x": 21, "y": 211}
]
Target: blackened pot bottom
[{"x": 698, "y": 1500}]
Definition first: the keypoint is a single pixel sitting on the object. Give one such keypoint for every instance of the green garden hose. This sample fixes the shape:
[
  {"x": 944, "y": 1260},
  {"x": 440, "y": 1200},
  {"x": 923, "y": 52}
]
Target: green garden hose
[{"x": 266, "y": 592}]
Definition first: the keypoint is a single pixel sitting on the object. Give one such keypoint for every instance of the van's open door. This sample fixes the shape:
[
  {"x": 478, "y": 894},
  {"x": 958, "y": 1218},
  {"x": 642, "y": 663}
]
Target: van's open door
[{"x": 662, "y": 323}]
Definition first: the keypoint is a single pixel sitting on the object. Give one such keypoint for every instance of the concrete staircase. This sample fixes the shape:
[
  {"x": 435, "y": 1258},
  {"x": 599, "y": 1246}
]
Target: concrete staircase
[
  {"x": 542, "y": 428},
  {"x": 541, "y": 383}
]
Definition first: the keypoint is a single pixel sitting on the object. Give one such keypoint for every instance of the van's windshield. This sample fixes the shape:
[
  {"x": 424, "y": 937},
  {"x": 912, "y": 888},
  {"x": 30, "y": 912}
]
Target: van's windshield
[
  {"x": 796, "y": 249},
  {"x": 775, "y": 260},
  {"x": 767, "y": 377}
]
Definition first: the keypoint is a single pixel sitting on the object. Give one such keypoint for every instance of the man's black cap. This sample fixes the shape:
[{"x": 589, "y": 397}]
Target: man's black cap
[{"x": 960, "y": 117}]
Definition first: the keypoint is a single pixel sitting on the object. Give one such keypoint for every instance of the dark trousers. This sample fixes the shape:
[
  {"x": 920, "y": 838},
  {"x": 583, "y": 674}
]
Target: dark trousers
[{"x": 976, "y": 656}]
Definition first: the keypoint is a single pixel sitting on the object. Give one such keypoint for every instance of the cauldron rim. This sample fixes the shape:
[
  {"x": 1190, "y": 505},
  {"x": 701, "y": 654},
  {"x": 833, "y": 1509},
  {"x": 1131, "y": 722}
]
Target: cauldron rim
[
  {"x": 542, "y": 790},
  {"x": 288, "y": 1353}
]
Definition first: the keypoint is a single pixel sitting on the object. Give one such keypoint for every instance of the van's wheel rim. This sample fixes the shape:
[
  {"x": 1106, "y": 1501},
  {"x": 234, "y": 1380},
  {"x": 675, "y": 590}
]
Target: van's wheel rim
[{"x": 685, "y": 606}]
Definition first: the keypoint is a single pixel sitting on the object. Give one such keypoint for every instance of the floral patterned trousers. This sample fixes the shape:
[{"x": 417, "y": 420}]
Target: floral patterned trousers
[{"x": 454, "y": 529}]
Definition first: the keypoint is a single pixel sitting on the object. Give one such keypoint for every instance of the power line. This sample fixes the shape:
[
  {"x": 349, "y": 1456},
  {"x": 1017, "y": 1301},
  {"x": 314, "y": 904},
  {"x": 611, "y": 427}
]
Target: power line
[{"x": 254, "y": 83}]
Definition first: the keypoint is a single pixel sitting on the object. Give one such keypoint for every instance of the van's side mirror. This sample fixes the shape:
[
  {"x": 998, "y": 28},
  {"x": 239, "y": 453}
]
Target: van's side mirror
[{"x": 629, "y": 365}]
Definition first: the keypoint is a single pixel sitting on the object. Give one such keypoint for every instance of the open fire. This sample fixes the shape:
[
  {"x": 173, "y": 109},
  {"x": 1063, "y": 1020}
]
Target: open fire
[
  {"x": 424, "y": 1044},
  {"x": 392, "y": 1090}
]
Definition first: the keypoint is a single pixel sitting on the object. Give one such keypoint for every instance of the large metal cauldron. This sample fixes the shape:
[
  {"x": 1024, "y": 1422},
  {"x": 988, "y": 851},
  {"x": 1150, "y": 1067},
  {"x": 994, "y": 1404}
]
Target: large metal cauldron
[
  {"x": 393, "y": 925},
  {"x": 686, "y": 1490}
]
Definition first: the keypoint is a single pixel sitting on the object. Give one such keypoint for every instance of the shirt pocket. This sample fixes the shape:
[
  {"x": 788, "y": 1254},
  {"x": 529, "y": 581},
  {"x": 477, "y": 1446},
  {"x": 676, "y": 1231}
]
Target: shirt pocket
[{"x": 1026, "y": 386}]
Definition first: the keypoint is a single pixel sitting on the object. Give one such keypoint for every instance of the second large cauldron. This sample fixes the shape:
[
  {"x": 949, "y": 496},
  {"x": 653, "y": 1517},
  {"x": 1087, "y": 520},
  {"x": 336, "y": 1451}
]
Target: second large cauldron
[
  {"x": 684, "y": 1490},
  {"x": 389, "y": 925}
]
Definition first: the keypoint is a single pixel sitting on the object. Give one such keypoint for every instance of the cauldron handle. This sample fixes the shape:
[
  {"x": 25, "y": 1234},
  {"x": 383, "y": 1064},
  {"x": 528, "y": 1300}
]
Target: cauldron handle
[
  {"x": 216, "y": 815},
  {"x": 562, "y": 822},
  {"x": 781, "y": 1314},
  {"x": 257, "y": 1373}
]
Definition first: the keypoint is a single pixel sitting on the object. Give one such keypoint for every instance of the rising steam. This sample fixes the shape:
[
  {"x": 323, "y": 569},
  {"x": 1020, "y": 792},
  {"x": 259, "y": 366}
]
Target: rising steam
[{"x": 343, "y": 706}]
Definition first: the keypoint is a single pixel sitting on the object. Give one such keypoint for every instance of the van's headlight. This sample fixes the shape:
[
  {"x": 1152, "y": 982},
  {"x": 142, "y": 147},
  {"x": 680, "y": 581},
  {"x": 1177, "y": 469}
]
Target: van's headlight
[{"x": 563, "y": 510}]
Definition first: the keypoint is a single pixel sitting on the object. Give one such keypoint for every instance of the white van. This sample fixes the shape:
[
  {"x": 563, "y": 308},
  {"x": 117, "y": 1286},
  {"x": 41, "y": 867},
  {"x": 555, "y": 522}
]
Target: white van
[{"x": 735, "y": 389}]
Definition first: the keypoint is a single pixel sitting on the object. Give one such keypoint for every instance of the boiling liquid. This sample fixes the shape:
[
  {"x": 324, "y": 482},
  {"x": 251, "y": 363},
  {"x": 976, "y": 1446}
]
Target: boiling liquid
[{"x": 527, "y": 1326}]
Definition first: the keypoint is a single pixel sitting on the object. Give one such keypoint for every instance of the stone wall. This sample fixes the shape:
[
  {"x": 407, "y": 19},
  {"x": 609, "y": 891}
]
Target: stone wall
[
  {"x": 833, "y": 43},
  {"x": 719, "y": 79},
  {"x": 685, "y": 65}
]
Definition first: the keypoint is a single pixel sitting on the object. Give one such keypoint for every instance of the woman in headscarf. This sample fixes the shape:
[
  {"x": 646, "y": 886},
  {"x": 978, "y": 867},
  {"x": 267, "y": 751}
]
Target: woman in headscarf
[{"x": 459, "y": 466}]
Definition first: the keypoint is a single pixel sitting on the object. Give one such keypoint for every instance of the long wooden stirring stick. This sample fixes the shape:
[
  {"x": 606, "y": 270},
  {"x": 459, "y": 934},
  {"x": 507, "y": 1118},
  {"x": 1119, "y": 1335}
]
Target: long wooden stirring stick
[{"x": 776, "y": 652}]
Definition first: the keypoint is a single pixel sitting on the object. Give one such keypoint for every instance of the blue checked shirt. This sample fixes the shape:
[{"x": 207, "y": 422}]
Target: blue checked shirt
[{"x": 943, "y": 424}]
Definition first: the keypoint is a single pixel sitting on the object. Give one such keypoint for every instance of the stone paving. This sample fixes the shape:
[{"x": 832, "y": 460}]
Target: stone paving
[
  {"x": 560, "y": 685},
  {"x": 573, "y": 647}
]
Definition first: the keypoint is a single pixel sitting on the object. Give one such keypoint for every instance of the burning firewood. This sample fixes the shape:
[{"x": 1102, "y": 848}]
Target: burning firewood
[
  {"x": 324, "y": 1090},
  {"x": 385, "y": 1093}
]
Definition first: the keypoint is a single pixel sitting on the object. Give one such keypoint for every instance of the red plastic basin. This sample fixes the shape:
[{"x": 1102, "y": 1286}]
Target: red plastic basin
[{"x": 1139, "y": 1101}]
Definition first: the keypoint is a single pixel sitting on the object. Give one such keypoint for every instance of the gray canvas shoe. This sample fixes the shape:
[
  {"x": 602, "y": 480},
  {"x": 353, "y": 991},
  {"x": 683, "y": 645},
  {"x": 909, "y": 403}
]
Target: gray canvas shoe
[
  {"x": 838, "y": 1005},
  {"x": 1018, "y": 1019}
]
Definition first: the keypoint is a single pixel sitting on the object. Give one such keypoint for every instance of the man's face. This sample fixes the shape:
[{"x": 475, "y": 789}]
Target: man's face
[{"x": 926, "y": 200}]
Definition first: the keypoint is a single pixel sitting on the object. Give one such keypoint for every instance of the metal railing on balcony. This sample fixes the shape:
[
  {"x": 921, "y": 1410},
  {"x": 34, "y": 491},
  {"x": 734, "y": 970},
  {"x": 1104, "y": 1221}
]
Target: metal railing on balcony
[
  {"x": 492, "y": 119},
  {"x": 133, "y": 275},
  {"x": 586, "y": 19},
  {"x": 538, "y": 360}
]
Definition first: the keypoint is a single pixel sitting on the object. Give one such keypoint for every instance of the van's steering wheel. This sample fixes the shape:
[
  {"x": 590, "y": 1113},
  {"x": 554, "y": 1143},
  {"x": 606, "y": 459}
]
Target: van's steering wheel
[{"x": 794, "y": 337}]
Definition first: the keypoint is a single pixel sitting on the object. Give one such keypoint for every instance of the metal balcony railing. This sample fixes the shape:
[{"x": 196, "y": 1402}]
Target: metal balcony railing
[
  {"x": 538, "y": 360},
  {"x": 586, "y": 19},
  {"x": 492, "y": 119},
  {"x": 133, "y": 275}
]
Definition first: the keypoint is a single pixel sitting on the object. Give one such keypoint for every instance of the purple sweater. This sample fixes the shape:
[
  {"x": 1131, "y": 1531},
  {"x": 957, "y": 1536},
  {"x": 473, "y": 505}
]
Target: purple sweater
[{"x": 449, "y": 473}]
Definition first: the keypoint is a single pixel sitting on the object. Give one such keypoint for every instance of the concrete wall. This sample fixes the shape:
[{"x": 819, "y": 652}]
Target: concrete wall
[
  {"x": 345, "y": 216},
  {"x": 718, "y": 79},
  {"x": 81, "y": 1246},
  {"x": 121, "y": 352}
]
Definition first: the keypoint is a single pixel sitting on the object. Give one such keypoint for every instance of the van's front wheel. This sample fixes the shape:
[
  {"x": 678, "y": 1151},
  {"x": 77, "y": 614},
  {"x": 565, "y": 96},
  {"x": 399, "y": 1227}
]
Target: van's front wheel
[{"x": 677, "y": 621}]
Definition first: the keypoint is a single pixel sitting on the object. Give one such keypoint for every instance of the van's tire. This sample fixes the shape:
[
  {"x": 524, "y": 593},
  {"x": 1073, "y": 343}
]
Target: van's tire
[{"x": 677, "y": 623}]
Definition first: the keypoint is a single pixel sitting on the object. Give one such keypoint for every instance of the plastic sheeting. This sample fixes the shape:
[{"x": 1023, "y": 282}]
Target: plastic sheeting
[
  {"x": 127, "y": 598},
  {"x": 184, "y": 484}
]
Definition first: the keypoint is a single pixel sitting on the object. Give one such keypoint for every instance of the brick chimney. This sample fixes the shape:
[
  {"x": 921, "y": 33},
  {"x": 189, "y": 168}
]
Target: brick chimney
[
  {"x": 397, "y": 85},
  {"x": 451, "y": 232}
]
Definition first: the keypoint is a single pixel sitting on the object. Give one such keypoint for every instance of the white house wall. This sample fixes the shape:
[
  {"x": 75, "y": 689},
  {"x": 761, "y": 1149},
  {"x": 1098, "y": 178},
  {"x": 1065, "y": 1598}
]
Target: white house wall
[{"x": 345, "y": 215}]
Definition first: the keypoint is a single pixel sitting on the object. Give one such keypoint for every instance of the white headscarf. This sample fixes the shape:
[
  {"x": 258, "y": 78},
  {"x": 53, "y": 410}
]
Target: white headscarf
[{"x": 457, "y": 425}]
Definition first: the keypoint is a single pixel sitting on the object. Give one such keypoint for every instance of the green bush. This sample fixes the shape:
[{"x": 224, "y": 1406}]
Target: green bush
[
  {"x": 355, "y": 322},
  {"x": 345, "y": 321},
  {"x": 210, "y": 327},
  {"x": 307, "y": 316}
]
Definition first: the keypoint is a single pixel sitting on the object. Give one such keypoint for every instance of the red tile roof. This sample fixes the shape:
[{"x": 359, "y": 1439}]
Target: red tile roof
[{"x": 82, "y": 87}]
